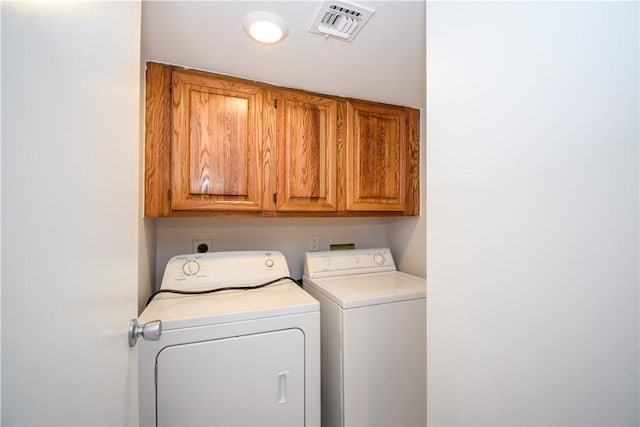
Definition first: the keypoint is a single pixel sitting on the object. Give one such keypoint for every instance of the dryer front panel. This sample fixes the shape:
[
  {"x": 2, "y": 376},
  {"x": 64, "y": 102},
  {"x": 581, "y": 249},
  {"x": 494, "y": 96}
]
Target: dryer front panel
[{"x": 247, "y": 380}]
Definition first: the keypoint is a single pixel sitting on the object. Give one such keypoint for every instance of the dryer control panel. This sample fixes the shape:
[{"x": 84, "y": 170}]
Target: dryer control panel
[
  {"x": 221, "y": 269},
  {"x": 348, "y": 262}
]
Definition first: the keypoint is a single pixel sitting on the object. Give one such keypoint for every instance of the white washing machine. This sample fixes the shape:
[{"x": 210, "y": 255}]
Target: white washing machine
[
  {"x": 235, "y": 357},
  {"x": 373, "y": 338}
]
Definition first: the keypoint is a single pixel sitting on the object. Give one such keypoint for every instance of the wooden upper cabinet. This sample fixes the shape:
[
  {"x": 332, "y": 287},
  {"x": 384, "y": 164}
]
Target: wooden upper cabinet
[
  {"x": 307, "y": 162},
  {"x": 378, "y": 153},
  {"x": 216, "y": 143}
]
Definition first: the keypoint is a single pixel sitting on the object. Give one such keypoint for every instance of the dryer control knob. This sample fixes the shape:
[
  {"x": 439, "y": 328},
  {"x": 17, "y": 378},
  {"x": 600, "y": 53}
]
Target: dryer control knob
[
  {"x": 378, "y": 258},
  {"x": 268, "y": 263},
  {"x": 190, "y": 268}
]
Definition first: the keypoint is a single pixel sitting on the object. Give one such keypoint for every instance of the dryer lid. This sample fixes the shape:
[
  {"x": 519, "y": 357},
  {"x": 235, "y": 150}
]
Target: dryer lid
[{"x": 182, "y": 311}]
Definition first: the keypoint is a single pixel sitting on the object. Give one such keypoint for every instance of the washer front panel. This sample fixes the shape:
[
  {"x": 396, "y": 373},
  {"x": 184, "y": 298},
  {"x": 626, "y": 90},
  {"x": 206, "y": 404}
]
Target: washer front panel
[{"x": 384, "y": 364}]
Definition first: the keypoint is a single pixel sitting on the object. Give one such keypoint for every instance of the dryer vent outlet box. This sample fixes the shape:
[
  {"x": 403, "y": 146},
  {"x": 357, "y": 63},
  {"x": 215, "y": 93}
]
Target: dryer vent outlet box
[{"x": 341, "y": 20}]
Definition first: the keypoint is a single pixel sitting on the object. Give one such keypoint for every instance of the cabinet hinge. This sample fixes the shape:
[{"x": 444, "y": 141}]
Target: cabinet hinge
[
  {"x": 275, "y": 103},
  {"x": 275, "y": 197}
]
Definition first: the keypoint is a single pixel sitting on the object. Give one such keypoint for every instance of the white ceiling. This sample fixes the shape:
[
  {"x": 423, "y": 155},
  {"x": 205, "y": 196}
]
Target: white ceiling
[{"x": 385, "y": 62}]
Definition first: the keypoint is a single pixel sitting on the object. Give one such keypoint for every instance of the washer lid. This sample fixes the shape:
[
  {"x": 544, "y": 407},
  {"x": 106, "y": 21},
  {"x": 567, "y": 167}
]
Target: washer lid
[
  {"x": 370, "y": 289},
  {"x": 183, "y": 311}
]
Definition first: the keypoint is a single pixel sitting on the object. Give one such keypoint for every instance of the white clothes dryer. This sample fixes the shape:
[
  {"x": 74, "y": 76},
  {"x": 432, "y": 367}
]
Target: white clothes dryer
[
  {"x": 234, "y": 357},
  {"x": 373, "y": 338}
]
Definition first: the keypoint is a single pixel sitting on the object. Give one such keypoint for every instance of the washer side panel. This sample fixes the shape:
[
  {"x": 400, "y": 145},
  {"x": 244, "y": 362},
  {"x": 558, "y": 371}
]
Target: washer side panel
[{"x": 331, "y": 356}]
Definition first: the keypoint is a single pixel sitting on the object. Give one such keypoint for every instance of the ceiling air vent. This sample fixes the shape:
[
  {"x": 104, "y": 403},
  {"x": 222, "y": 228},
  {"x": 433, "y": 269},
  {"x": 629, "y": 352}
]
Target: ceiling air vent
[{"x": 340, "y": 19}]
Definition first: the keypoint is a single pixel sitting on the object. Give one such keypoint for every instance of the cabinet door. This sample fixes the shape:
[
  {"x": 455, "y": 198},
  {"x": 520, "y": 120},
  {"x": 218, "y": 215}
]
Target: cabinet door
[
  {"x": 215, "y": 144},
  {"x": 306, "y": 172},
  {"x": 376, "y": 157}
]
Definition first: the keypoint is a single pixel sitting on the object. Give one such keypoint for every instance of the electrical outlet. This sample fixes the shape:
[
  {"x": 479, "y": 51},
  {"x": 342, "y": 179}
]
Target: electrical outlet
[
  {"x": 202, "y": 245},
  {"x": 314, "y": 243}
]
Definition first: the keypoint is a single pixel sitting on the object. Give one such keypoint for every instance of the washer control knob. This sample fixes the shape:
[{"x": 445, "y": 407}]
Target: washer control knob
[
  {"x": 378, "y": 258},
  {"x": 268, "y": 263},
  {"x": 190, "y": 268}
]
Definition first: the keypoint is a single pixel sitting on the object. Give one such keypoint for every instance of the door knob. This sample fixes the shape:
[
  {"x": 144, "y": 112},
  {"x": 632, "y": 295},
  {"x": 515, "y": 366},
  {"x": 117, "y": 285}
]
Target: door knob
[{"x": 150, "y": 331}]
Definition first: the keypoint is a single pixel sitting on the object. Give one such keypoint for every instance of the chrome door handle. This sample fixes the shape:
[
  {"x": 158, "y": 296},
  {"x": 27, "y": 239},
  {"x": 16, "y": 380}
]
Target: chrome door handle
[{"x": 150, "y": 331}]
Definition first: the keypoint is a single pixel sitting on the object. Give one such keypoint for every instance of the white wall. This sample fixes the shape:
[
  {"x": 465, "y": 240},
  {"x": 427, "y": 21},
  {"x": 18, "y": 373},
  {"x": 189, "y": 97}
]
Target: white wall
[
  {"x": 146, "y": 226},
  {"x": 0, "y": 219},
  {"x": 70, "y": 147},
  {"x": 288, "y": 235},
  {"x": 408, "y": 237},
  {"x": 532, "y": 227}
]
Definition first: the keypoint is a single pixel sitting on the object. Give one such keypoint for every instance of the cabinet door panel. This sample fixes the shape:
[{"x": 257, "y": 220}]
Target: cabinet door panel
[
  {"x": 218, "y": 148},
  {"x": 215, "y": 145},
  {"x": 306, "y": 152},
  {"x": 376, "y": 151}
]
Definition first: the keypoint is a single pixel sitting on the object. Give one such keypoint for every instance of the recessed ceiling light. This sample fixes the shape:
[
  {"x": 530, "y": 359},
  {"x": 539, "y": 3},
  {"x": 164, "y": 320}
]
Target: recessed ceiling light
[{"x": 265, "y": 27}]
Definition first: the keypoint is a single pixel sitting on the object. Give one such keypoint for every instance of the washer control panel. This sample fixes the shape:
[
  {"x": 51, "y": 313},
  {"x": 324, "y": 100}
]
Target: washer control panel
[
  {"x": 220, "y": 269},
  {"x": 348, "y": 262}
]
